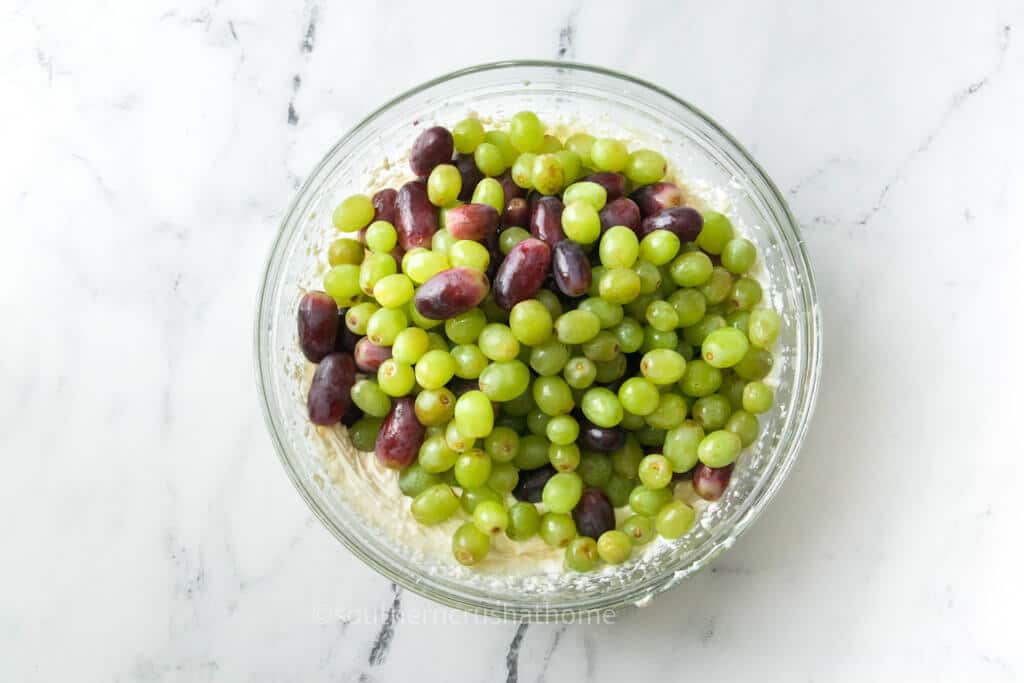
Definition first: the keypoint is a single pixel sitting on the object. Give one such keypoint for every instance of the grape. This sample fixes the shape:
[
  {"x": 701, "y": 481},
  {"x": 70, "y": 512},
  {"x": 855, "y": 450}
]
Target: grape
[
  {"x": 696, "y": 334},
  {"x": 562, "y": 430},
  {"x": 523, "y": 521},
  {"x": 354, "y": 213},
  {"x": 719, "y": 448},
  {"x": 522, "y": 170},
  {"x": 608, "y": 154},
  {"x": 645, "y": 501},
  {"x": 614, "y": 547},
  {"x": 396, "y": 379},
  {"x": 557, "y": 529},
  {"x": 435, "y": 369},
  {"x": 662, "y": 316},
  {"x": 330, "y": 391},
  {"x": 581, "y": 554},
  {"x": 422, "y": 264},
  {"x": 474, "y": 414},
  {"x": 456, "y": 440},
  {"x": 546, "y": 220},
  {"x": 384, "y": 326},
  {"x": 435, "y": 456},
  {"x": 516, "y": 214},
  {"x": 700, "y": 379},
  {"x": 374, "y": 268},
  {"x": 630, "y": 335},
  {"x": 602, "y": 348},
  {"x": 342, "y": 283},
  {"x": 369, "y": 356},
  {"x": 745, "y": 294},
  {"x": 618, "y": 489},
  {"x": 532, "y": 481},
  {"x": 654, "y": 198},
  {"x": 663, "y": 366},
  {"x": 522, "y": 273},
  {"x": 605, "y": 439},
  {"x": 595, "y": 468},
  {"x": 472, "y": 222},
  {"x": 757, "y": 397},
  {"x": 680, "y": 446},
  {"x": 581, "y": 223},
  {"x": 473, "y": 497},
  {"x": 393, "y": 291},
  {"x": 470, "y": 174},
  {"x": 498, "y": 343},
  {"x": 451, "y": 292},
  {"x": 659, "y": 247},
  {"x": 489, "y": 192},
  {"x": 756, "y": 364},
  {"x": 469, "y": 254},
  {"x": 510, "y": 237},
  {"x": 358, "y": 317},
  {"x": 763, "y": 328},
  {"x": 718, "y": 286},
  {"x": 318, "y": 323},
  {"x": 400, "y": 436},
  {"x": 472, "y": 468},
  {"x": 381, "y": 237},
  {"x": 602, "y": 407},
  {"x": 675, "y": 519},
  {"x": 531, "y": 322},
  {"x": 370, "y": 398},
  {"x": 571, "y": 269},
  {"x": 503, "y": 381},
  {"x": 490, "y": 517},
  {"x": 645, "y": 166},
  {"x": 691, "y": 269},
  {"x": 433, "y": 146},
  {"x": 621, "y": 211},
  {"x": 576, "y": 327},
  {"x": 614, "y": 184},
  {"x": 609, "y": 371},
  {"x": 669, "y": 414},
  {"x": 716, "y": 233},
  {"x": 503, "y": 142},
  {"x": 435, "y": 505},
  {"x": 526, "y": 131},
  {"x": 744, "y": 425},
  {"x": 345, "y": 250},
  {"x": 509, "y": 189},
  {"x": 469, "y": 544},
  {"x": 580, "y": 372},
  {"x": 639, "y": 529},
  {"x": 586, "y": 191},
  {"x": 709, "y": 482},
  {"x": 581, "y": 143},
  {"x": 619, "y": 285},
  {"x": 467, "y": 134},
  {"x": 656, "y": 339},
  {"x": 435, "y": 406},
  {"x": 639, "y": 396},
  {"x": 690, "y": 306},
  {"x": 685, "y": 222},
  {"x": 547, "y": 174},
  {"x": 724, "y": 347},
  {"x": 413, "y": 480},
  {"x": 502, "y": 444},
  {"x": 415, "y": 216},
  {"x": 562, "y": 492},
  {"x": 650, "y": 277},
  {"x": 738, "y": 255},
  {"x": 552, "y": 395},
  {"x": 632, "y": 421},
  {"x": 655, "y": 471},
  {"x": 619, "y": 247},
  {"x": 384, "y": 205}
]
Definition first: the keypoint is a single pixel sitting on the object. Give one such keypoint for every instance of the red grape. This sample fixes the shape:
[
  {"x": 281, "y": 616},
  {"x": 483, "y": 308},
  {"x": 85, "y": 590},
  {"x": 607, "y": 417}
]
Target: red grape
[
  {"x": 686, "y": 222},
  {"x": 472, "y": 221},
  {"x": 450, "y": 293},
  {"x": 651, "y": 199},
  {"x": 594, "y": 514},
  {"x": 415, "y": 216},
  {"x": 433, "y": 146},
  {"x": 369, "y": 356},
  {"x": 709, "y": 482},
  {"x": 400, "y": 436},
  {"x": 571, "y": 268},
  {"x": 621, "y": 211},
  {"x": 328, "y": 398},
  {"x": 318, "y": 325},
  {"x": 546, "y": 220},
  {"x": 522, "y": 273}
]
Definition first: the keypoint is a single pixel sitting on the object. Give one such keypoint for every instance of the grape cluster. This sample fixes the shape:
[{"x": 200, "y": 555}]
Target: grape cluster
[{"x": 534, "y": 321}]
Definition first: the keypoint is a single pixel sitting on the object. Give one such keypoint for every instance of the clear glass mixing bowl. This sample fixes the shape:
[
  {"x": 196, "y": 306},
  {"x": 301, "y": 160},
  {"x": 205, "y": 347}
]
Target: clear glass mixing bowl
[{"x": 603, "y": 102}]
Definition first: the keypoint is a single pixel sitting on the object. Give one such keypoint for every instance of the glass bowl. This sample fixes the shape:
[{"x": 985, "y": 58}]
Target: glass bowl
[{"x": 706, "y": 157}]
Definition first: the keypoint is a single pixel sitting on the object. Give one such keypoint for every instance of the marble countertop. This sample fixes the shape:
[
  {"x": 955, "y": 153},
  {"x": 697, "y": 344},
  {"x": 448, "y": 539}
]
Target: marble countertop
[{"x": 149, "y": 149}]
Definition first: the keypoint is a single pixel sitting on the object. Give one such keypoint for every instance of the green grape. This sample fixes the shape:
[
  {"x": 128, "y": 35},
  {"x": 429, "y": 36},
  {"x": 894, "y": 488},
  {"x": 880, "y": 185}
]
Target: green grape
[
  {"x": 357, "y": 317},
  {"x": 756, "y": 364},
  {"x": 614, "y": 547},
  {"x": 489, "y": 159},
  {"x": 630, "y": 335},
  {"x": 675, "y": 519},
  {"x": 602, "y": 407},
  {"x": 757, "y": 397},
  {"x": 393, "y": 291},
  {"x": 469, "y": 253},
  {"x": 619, "y": 247},
  {"x": 617, "y": 489},
  {"x": 503, "y": 142},
  {"x": 594, "y": 468},
  {"x": 502, "y": 444},
  {"x": 504, "y": 380},
  {"x": 435, "y": 504},
  {"x": 467, "y": 135},
  {"x": 473, "y": 497},
  {"x": 619, "y": 285},
  {"x": 385, "y": 325},
  {"x": 547, "y": 174},
  {"x": 466, "y": 327},
  {"x": 691, "y": 269},
  {"x": 669, "y": 414},
  {"x": 581, "y": 222},
  {"x": 645, "y": 501},
  {"x": 526, "y": 132},
  {"x": 696, "y": 334},
  {"x": 472, "y": 469},
  {"x": 602, "y": 348},
  {"x": 533, "y": 452},
  {"x": 413, "y": 480},
  {"x": 611, "y": 370},
  {"x": 571, "y": 164},
  {"x": 581, "y": 143},
  {"x": 422, "y": 264},
  {"x": 645, "y": 166},
  {"x": 681, "y": 445},
  {"x": 581, "y": 554},
  {"x": 562, "y": 430},
  {"x": 489, "y": 191},
  {"x": 456, "y": 440},
  {"x": 435, "y": 369},
  {"x": 504, "y": 476},
  {"x": 370, "y": 398},
  {"x": 437, "y": 342},
  {"x": 510, "y": 237},
  {"x": 719, "y": 448},
  {"x": 374, "y": 268},
  {"x": 363, "y": 434},
  {"x": 608, "y": 154},
  {"x": 497, "y": 342},
  {"x": 396, "y": 379},
  {"x": 531, "y": 322},
  {"x": 657, "y": 339},
  {"x": 354, "y": 213},
  {"x": 632, "y": 421},
  {"x": 490, "y": 517},
  {"x": 663, "y": 366},
  {"x": 435, "y": 456},
  {"x": 639, "y": 529},
  {"x": 738, "y": 255},
  {"x": 659, "y": 247},
  {"x": 719, "y": 285},
  {"x": 548, "y": 299},
  {"x": 469, "y": 544},
  {"x": 655, "y": 471},
  {"x": 739, "y": 320},
  {"x": 410, "y": 345},
  {"x": 520, "y": 406},
  {"x": 550, "y": 145},
  {"x": 662, "y": 316},
  {"x": 595, "y": 281},
  {"x": 724, "y": 347},
  {"x": 564, "y": 457},
  {"x": 522, "y": 170},
  {"x": 548, "y": 359},
  {"x": 557, "y": 529},
  {"x": 716, "y": 233},
  {"x": 608, "y": 314},
  {"x": 639, "y": 396},
  {"x": 732, "y": 389},
  {"x": 474, "y": 414},
  {"x": 763, "y": 328},
  {"x": 650, "y": 277},
  {"x": 440, "y": 243},
  {"x": 342, "y": 283},
  {"x": 552, "y": 395},
  {"x": 537, "y": 421},
  {"x": 744, "y": 425},
  {"x": 523, "y": 521},
  {"x": 745, "y": 294},
  {"x": 580, "y": 372},
  {"x": 435, "y": 407},
  {"x": 690, "y": 306},
  {"x": 586, "y": 191},
  {"x": 443, "y": 185},
  {"x": 345, "y": 250},
  {"x": 711, "y": 412},
  {"x": 700, "y": 379}
]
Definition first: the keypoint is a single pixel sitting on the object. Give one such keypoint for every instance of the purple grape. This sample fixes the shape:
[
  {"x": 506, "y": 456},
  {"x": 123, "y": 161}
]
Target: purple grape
[
  {"x": 546, "y": 220},
  {"x": 369, "y": 356},
  {"x": 621, "y": 211},
  {"x": 347, "y": 339},
  {"x": 521, "y": 274},
  {"x": 686, "y": 222},
  {"x": 450, "y": 293},
  {"x": 594, "y": 514},
  {"x": 472, "y": 222},
  {"x": 517, "y": 213},
  {"x": 531, "y": 483},
  {"x": 651, "y": 199},
  {"x": 400, "y": 436},
  {"x": 328, "y": 398},
  {"x": 384, "y": 205},
  {"x": 470, "y": 174},
  {"x": 570, "y": 269},
  {"x": 710, "y": 482},
  {"x": 415, "y": 216},
  {"x": 434, "y": 146},
  {"x": 605, "y": 439},
  {"x": 318, "y": 325},
  {"x": 614, "y": 184}
]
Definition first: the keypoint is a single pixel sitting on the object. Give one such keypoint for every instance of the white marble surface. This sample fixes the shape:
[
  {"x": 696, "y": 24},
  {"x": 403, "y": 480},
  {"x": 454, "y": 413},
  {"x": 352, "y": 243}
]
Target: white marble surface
[{"x": 148, "y": 531}]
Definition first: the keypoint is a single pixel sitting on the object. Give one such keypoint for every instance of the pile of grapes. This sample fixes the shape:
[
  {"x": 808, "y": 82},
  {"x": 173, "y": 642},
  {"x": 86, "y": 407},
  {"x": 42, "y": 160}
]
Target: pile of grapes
[{"x": 533, "y": 321}]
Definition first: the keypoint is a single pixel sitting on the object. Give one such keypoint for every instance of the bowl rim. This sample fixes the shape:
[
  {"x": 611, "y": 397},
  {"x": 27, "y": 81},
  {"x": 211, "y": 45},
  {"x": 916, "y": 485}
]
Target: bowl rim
[{"x": 728, "y": 535}]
